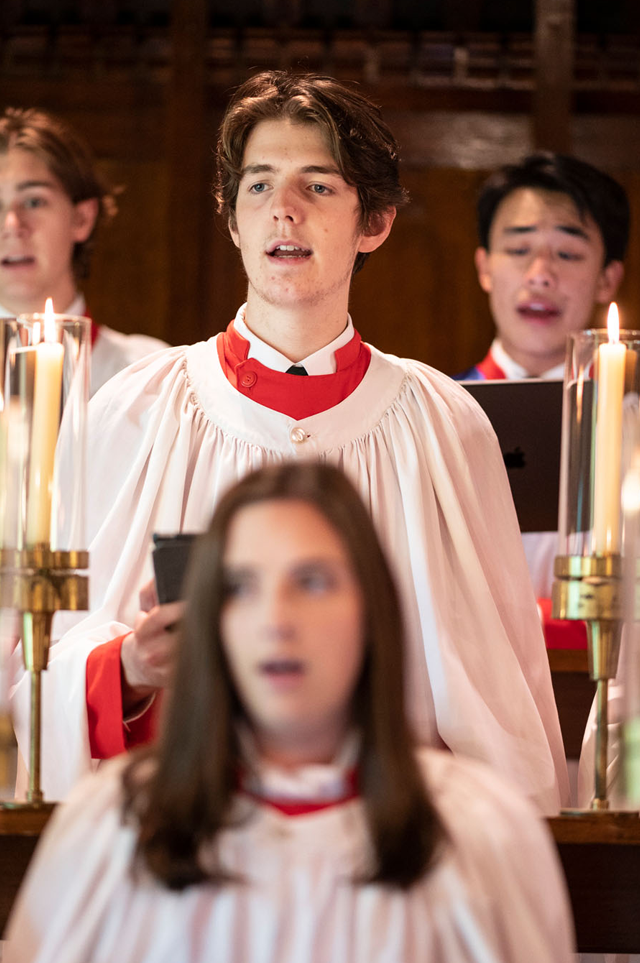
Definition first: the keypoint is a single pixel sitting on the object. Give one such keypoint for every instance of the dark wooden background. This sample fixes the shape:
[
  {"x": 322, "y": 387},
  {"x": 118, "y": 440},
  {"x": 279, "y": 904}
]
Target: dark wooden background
[{"x": 465, "y": 84}]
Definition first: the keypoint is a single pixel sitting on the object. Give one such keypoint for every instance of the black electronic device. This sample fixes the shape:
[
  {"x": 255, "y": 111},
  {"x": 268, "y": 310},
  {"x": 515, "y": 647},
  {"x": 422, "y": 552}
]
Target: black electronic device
[
  {"x": 170, "y": 561},
  {"x": 527, "y": 418}
]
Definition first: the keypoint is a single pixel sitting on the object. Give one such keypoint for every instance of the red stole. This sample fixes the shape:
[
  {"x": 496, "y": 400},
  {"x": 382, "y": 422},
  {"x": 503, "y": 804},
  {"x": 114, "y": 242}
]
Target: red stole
[{"x": 290, "y": 394}]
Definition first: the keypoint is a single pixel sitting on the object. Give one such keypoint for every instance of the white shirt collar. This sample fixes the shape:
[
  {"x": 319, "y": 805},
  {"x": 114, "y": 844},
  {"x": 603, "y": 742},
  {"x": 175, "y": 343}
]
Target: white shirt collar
[
  {"x": 321, "y": 362},
  {"x": 313, "y": 781},
  {"x": 77, "y": 307},
  {"x": 515, "y": 371}
]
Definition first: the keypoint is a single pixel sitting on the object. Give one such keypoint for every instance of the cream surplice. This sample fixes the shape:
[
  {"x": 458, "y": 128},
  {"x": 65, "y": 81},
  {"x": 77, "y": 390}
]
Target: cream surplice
[{"x": 495, "y": 894}]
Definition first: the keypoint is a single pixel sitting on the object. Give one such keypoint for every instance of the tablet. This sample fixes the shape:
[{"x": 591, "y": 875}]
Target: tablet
[{"x": 527, "y": 418}]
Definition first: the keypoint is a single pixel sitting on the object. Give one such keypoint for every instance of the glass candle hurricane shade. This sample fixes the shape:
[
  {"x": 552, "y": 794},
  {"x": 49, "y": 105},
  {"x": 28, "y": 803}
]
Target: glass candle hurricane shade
[{"x": 43, "y": 403}]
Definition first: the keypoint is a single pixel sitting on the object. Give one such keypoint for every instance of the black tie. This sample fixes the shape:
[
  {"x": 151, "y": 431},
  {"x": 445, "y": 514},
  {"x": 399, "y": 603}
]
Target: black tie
[{"x": 297, "y": 369}]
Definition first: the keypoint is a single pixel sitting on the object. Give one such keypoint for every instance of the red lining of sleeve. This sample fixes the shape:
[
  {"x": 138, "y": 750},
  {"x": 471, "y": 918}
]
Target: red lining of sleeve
[{"x": 108, "y": 735}]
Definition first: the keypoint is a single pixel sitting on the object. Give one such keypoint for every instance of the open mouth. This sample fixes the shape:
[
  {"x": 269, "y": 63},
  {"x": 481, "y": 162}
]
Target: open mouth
[
  {"x": 288, "y": 252},
  {"x": 282, "y": 675},
  {"x": 282, "y": 668},
  {"x": 538, "y": 311},
  {"x": 17, "y": 260}
]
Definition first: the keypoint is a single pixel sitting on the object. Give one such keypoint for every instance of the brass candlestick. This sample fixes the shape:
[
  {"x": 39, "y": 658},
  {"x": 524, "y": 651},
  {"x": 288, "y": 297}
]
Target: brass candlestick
[
  {"x": 38, "y": 582},
  {"x": 44, "y": 381},
  {"x": 599, "y": 429},
  {"x": 588, "y": 588}
]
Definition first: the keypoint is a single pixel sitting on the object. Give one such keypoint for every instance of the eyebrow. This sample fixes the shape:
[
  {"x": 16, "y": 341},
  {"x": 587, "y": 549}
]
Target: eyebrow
[
  {"x": 303, "y": 562},
  {"x": 571, "y": 229},
  {"x": 308, "y": 169},
  {"x": 27, "y": 185},
  {"x": 302, "y": 566}
]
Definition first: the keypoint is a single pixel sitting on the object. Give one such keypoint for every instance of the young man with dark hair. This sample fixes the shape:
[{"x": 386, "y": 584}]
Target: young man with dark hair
[
  {"x": 308, "y": 179},
  {"x": 52, "y": 200},
  {"x": 553, "y": 234}
]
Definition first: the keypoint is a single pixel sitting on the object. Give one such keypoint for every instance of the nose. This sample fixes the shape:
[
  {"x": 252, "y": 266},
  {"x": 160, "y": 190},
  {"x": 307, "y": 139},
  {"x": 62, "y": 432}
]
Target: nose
[
  {"x": 541, "y": 270},
  {"x": 11, "y": 222},
  {"x": 285, "y": 205},
  {"x": 277, "y": 613}
]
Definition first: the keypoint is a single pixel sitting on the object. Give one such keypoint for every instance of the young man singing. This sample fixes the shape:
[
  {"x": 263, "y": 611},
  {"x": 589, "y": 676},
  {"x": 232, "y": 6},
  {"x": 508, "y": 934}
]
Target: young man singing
[
  {"x": 553, "y": 234},
  {"x": 308, "y": 182}
]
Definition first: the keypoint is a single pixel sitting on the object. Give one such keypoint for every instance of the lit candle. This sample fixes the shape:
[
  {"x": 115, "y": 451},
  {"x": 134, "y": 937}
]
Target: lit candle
[
  {"x": 44, "y": 434},
  {"x": 606, "y": 496}
]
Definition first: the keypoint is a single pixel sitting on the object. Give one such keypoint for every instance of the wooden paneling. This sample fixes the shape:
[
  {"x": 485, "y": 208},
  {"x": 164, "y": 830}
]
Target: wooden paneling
[
  {"x": 150, "y": 106},
  {"x": 129, "y": 284},
  {"x": 471, "y": 140},
  {"x": 554, "y": 33},
  {"x": 600, "y": 855},
  {"x": 124, "y": 121},
  {"x": 629, "y": 299},
  {"x": 418, "y": 296},
  {"x": 19, "y": 834},
  {"x": 187, "y": 137}
]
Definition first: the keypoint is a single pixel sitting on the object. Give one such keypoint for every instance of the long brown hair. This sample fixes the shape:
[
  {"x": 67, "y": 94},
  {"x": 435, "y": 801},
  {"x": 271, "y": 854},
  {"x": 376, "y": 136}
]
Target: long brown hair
[
  {"x": 185, "y": 798},
  {"x": 360, "y": 142}
]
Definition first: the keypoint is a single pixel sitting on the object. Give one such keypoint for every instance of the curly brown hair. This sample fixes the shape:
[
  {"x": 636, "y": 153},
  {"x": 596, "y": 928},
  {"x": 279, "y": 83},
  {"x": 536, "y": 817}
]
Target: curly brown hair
[{"x": 360, "y": 142}]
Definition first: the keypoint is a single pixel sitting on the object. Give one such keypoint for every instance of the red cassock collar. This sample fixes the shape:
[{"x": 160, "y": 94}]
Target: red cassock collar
[
  {"x": 490, "y": 370},
  {"x": 288, "y": 393}
]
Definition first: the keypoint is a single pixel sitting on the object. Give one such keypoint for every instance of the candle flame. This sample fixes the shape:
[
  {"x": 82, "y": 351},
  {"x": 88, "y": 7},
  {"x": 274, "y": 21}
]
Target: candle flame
[
  {"x": 50, "y": 333},
  {"x": 613, "y": 323}
]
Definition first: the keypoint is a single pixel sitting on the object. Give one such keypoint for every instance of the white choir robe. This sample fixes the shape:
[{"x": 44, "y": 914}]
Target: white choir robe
[
  {"x": 495, "y": 895},
  {"x": 112, "y": 351},
  {"x": 540, "y": 549},
  {"x": 169, "y": 434}
]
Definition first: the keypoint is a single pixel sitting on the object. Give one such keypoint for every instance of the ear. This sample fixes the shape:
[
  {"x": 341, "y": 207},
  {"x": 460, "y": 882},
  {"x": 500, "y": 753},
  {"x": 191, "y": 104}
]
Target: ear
[
  {"x": 481, "y": 258},
  {"x": 233, "y": 230},
  {"x": 378, "y": 231},
  {"x": 609, "y": 282},
  {"x": 84, "y": 219}
]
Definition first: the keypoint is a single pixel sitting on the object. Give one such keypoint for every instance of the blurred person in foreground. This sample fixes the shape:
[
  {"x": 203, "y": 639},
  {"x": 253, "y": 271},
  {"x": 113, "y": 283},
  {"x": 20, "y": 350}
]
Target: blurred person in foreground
[{"x": 285, "y": 815}]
